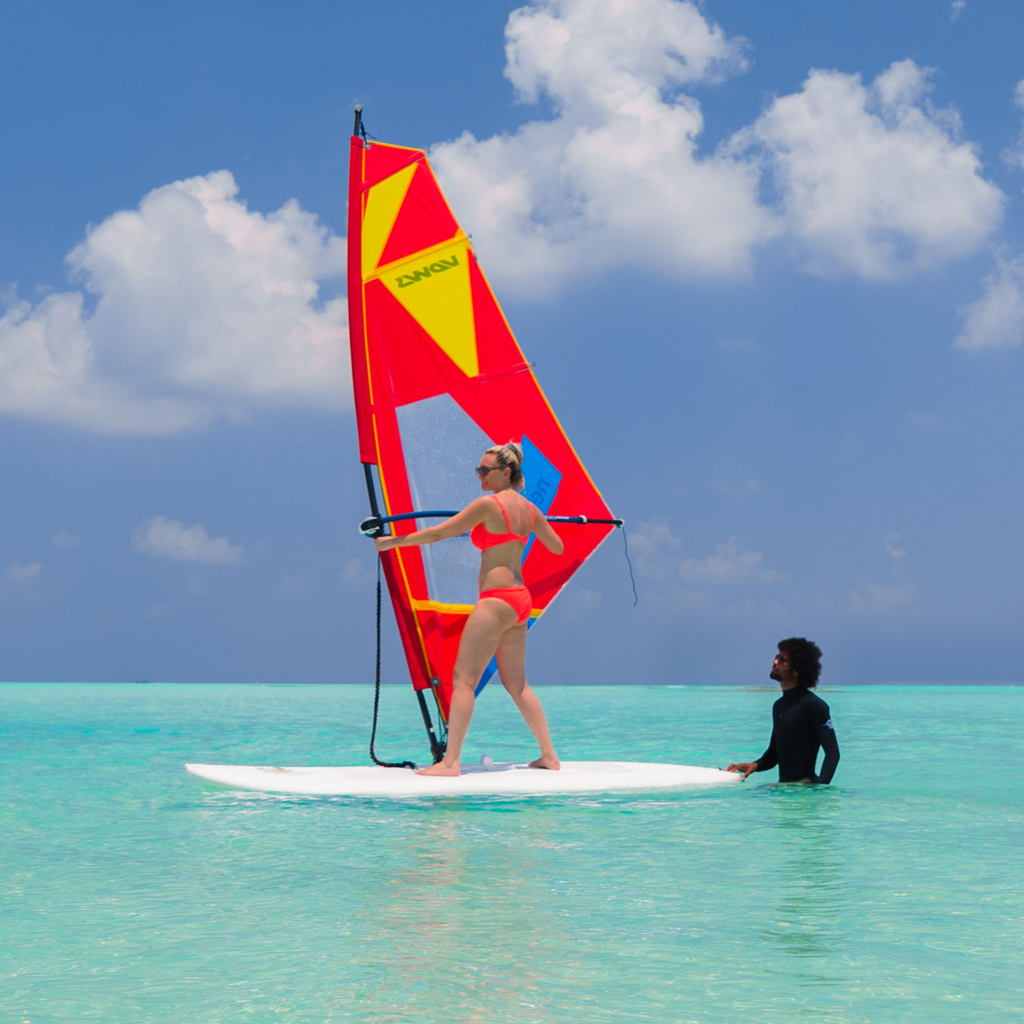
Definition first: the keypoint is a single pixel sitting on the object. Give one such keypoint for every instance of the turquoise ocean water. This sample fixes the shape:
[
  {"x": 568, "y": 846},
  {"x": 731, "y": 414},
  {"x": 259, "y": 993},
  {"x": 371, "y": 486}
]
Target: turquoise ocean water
[{"x": 131, "y": 893}]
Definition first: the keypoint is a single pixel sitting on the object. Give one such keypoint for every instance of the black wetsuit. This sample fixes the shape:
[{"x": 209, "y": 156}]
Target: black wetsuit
[{"x": 800, "y": 725}]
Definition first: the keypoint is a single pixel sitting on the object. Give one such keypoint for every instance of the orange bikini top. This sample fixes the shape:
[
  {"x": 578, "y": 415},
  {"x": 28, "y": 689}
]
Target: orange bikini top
[{"x": 482, "y": 538}]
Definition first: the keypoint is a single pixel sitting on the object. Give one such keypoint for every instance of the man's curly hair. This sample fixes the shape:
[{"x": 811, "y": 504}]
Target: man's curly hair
[{"x": 804, "y": 660}]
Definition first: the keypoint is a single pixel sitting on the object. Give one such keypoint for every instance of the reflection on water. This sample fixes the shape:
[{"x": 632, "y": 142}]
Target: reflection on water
[
  {"x": 472, "y": 907},
  {"x": 811, "y": 896}
]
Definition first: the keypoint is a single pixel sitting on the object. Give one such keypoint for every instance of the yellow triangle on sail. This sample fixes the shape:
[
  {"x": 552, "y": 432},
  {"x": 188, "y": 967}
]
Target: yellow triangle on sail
[
  {"x": 434, "y": 288},
  {"x": 383, "y": 201}
]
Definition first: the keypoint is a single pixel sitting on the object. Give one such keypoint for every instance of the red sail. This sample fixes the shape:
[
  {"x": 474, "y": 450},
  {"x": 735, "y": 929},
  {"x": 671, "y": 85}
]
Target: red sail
[{"x": 438, "y": 377}]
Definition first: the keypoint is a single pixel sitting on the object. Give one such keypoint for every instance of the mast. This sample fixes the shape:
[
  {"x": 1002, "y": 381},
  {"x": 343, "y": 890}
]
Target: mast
[{"x": 361, "y": 375}]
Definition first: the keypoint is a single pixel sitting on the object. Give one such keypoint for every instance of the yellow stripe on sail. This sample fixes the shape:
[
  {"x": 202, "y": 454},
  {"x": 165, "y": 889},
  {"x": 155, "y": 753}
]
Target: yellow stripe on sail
[
  {"x": 457, "y": 609},
  {"x": 435, "y": 291},
  {"x": 440, "y": 606},
  {"x": 383, "y": 202}
]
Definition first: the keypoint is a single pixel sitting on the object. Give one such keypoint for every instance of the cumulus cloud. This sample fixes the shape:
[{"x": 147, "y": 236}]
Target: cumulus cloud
[
  {"x": 874, "y": 180},
  {"x": 18, "y": 573},
  {"x": 729, "y": 565},
  {"x": 736, "y": 488},
  {"x": 996, "y": 319},
  {"x": 657, "y": 550},
  {"x": 191, "y": 305},
  {"x": 353, "y": 570},
  {"x": 356, "y": 573},
  {"x": 870, "y": 180},
  {"x": 956, "y": 9},
  {"x": 1014, "y": 155},
  {"x": 614, "y": 177},
  {"x": 654, "y": 545},
  {"x": 170, "y": 538},
  {"x": 891, "y": 543}
]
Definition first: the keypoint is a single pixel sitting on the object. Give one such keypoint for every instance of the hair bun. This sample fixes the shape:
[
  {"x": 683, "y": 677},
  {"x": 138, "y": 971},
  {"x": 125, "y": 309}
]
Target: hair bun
[{"x": 516, "y": 449}]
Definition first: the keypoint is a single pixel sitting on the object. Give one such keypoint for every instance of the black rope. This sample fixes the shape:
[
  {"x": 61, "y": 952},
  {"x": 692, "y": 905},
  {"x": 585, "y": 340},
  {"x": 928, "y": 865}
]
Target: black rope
[
  {"x": 376, "y": 694},
  {"x": 364, "y": 133},
  {"x": 625, "y": 546}
]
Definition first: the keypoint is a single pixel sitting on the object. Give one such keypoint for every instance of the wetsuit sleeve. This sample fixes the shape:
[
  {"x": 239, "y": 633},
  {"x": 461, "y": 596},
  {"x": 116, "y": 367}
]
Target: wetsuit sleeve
[
  {"x": 827, "y": 738},
  {"x": 768, "y": 759}
]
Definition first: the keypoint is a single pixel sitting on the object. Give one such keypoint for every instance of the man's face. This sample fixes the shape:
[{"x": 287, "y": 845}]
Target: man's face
[{"x": 782, "y": 671}]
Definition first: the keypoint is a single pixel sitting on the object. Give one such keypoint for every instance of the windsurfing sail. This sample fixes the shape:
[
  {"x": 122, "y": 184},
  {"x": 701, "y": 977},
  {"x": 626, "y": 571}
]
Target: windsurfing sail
[{"x": 438, "y": 378}]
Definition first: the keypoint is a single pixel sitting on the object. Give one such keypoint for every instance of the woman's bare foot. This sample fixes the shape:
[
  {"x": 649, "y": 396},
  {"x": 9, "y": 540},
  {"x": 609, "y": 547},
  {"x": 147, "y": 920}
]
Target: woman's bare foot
[
  {"x": 442, "y": 770},
  {"x": 550, "y": 762}
]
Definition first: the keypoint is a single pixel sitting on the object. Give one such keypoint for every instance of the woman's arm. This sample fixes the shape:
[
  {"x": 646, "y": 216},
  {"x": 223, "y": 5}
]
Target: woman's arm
[
  {"x": 545, "y": 533},
  {"x": 472, "y": 514}
]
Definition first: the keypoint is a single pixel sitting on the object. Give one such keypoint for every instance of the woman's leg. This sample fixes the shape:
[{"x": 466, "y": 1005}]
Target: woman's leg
[
  {"x": 480, "y": 638},
  {"x": 511, "y": 658}
]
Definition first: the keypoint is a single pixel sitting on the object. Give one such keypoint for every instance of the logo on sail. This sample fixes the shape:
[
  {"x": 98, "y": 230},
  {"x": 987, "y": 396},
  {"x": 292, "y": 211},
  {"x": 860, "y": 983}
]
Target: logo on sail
[{"x": 404, "y": 280}]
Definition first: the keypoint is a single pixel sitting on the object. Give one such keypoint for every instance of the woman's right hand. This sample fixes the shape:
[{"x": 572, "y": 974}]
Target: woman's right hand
[{"x": 384, "y": 543}]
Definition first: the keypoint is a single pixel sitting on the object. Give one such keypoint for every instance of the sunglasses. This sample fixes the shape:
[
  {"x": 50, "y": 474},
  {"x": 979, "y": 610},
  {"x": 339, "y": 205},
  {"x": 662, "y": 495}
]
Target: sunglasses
[{"x": 482, "y": 471}]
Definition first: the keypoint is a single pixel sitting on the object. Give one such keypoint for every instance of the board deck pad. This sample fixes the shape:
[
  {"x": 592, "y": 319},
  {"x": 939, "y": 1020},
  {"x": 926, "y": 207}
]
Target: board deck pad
[{"x": 476, "y": 779}]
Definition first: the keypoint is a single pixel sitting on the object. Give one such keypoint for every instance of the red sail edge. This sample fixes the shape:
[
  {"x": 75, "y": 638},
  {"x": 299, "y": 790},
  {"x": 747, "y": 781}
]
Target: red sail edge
[{"x": 437, "y": 376}]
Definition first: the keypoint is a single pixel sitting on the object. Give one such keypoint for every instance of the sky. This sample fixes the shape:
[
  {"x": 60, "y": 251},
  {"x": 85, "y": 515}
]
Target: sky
[{"x": 766, "y": 258}]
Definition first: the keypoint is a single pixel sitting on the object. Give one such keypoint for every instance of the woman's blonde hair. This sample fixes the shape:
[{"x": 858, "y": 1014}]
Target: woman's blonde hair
[{"x": 510, "y": 456}]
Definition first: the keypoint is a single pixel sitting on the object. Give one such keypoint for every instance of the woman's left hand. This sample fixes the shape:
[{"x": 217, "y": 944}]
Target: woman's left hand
[{"x": 384, "y": 543}]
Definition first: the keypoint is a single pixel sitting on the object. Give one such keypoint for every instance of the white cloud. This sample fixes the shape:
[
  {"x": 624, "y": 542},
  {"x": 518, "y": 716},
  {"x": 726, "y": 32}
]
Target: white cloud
[
  {"x": 196, "y": 306},
  {"x": 996, "y": 320},
  {"x": 578, "y": 603},
  {"x": 956, "y": 9},
  {"x": 924, "y": 420},
  {"x": 355, "y": 572},
  {"x": 876, "y": 597},
  {"x": 63, "y": 539},
  {"x": 652, "y": 544},
  {"x": 656, "y": 549},
  {"x": 48, "y": 372},
  {"x": 170, "y": 538},
  {"x": 736, "y": 488},
  {"x": 613, "y": 178},
  {"x": 890, "y": 542},
  {"x": 874, "y": 180},
  {"x": 18, "y": 573},
  {"x": 1014, "y": 155},
  {"x": 729, "y": 565}
]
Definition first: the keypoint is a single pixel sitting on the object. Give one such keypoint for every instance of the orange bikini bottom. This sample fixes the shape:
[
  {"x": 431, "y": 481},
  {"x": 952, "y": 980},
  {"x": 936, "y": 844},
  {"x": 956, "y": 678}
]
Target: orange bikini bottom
[{"x": 517, "y": 598}]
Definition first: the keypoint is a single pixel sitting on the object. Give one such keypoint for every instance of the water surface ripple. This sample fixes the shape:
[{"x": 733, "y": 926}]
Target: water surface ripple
[{"x": 131, "y": 893}]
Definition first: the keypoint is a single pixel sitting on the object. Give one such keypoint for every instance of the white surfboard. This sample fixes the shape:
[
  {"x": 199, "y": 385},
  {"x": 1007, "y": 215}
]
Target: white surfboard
[{"x": 475, "y": 780}]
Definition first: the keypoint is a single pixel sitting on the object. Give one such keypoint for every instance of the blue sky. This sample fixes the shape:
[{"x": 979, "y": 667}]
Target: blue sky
[{"x": 767, "y": 259}]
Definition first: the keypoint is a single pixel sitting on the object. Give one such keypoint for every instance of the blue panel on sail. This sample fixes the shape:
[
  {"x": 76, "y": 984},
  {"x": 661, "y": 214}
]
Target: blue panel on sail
[
  {"x": 542, "y": 480},
  {"x": 541, "y": 484}
]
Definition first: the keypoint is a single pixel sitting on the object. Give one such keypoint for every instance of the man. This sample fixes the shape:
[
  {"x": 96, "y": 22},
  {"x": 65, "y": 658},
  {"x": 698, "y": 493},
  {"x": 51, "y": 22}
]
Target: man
[{"x": 800, "y": 719}]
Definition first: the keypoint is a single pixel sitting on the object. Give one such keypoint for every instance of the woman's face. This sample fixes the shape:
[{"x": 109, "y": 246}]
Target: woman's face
[{"x": 491, "y": 477}]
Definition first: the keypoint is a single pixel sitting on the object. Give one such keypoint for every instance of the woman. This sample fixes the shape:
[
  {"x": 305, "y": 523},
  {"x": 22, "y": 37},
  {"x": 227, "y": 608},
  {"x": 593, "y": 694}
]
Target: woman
[{"x": 501, "y": 524}]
